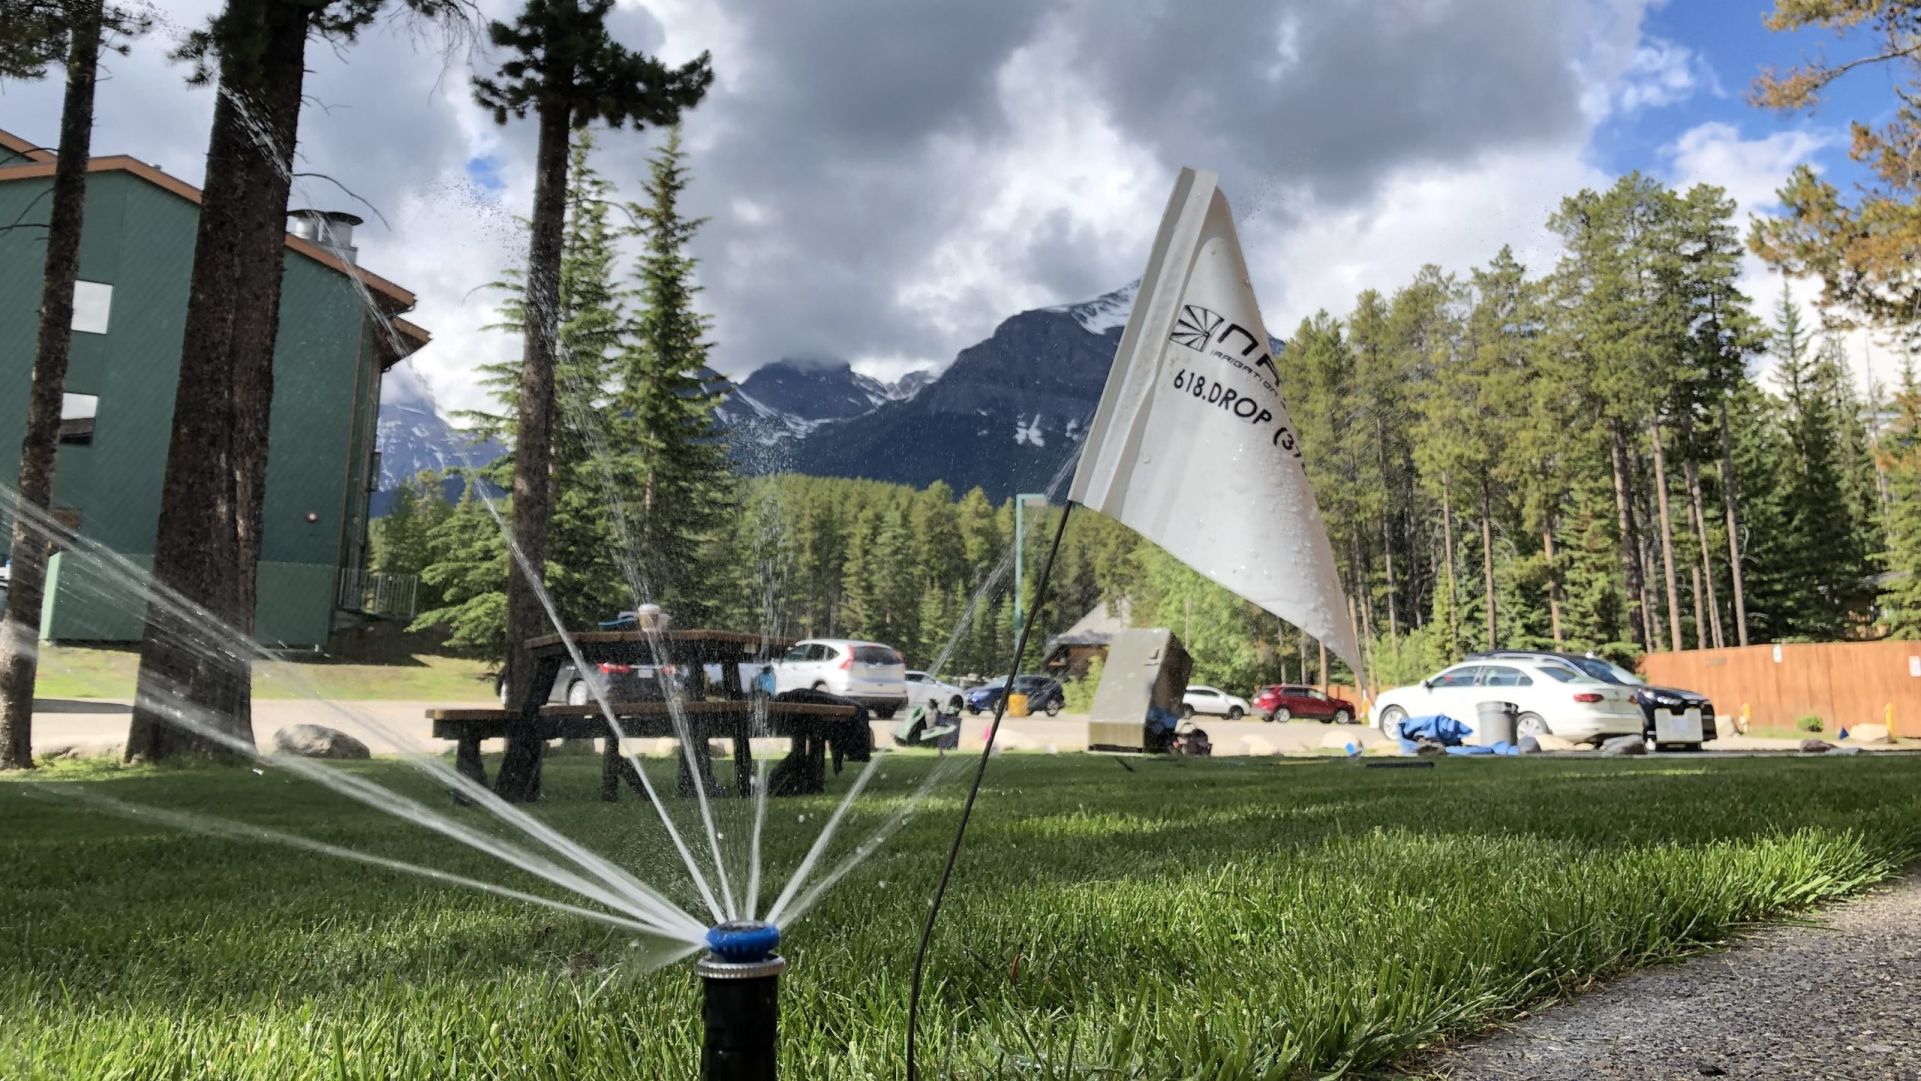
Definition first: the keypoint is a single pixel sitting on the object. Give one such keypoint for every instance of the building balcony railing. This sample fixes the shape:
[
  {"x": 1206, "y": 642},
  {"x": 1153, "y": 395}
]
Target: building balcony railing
[{"x": 392, "y": 596}]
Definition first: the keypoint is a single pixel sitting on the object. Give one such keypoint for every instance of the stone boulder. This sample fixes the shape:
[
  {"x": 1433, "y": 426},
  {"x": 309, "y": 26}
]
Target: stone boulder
[
  {"x": 318, "y": 741},
  {"x": 1624, "y": 745},
  {"x": 1869, "y": 735},
  {"x": 1529, "y": 745},
  {"x": 79, "y": 751},
  {"x": 1816, "y": 746}
]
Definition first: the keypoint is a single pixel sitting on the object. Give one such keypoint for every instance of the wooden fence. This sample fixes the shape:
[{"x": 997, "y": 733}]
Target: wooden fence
[{"x": 1845, "y": 683}]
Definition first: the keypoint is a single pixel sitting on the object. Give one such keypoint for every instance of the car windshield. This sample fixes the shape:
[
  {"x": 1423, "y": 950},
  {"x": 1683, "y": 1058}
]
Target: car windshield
[{"x": 1607, "y": 671}]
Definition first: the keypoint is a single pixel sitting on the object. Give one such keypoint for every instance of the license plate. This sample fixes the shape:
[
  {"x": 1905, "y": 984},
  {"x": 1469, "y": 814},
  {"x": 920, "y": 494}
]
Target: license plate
[{"x": 1678, "y": 727}]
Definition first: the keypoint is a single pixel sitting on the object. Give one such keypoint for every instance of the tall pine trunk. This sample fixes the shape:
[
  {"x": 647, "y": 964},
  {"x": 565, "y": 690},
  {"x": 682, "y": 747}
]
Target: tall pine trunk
[
  {"x": 1553, "y": 583},
  {"x": 1387, "y": 552},
  {"x": 1700, "y": 618},
  {"x": 1634, "y": 587},
  {"x": 1728, "y": 503},
  {"x": 519, "y": 778},
  {"x": 1691, "y": 470},
  {"x": 208, "y": 547},
  {"x": 20, "y": 619},
  {"x": 1667, "y": 533},
  {"x": 1487, "y": 563}
]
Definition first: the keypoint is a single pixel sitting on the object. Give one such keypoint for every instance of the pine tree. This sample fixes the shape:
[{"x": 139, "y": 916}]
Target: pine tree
[
  {"x": 584, "y": 572},
  {"x": 568, "y": 71},
  {"x": 674, "y": 468},
  {"x": 1901, "y": 460},
  {"x": 35, "y": 34},
  {"x": 1826, "y": 554}
]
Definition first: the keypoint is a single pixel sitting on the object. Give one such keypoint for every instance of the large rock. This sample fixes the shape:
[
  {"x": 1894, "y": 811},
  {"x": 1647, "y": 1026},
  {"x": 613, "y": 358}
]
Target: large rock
[
  {"x": 318, "y": 741},
  {"x": 1816, "y": 746},
  {"x": 77, "y": 751},
  {"x": 1869, "y": 735},
  {"x": 1624, "y": 745},
  {"x": 1529, "y": 745}
]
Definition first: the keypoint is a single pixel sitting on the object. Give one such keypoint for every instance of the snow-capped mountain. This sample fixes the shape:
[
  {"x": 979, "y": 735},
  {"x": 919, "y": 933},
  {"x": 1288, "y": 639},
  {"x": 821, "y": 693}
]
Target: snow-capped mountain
[
  {"x": 414, "y": 437},
  {"x": 1006, "y": 415},
  {"x": 769, "y": 412}
]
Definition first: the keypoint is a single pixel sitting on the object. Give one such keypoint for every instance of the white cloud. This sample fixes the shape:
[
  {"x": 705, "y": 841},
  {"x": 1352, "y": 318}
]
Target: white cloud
[
  {"x": 1457, "y": 218},
  {"x": 1750, "y": 169}
]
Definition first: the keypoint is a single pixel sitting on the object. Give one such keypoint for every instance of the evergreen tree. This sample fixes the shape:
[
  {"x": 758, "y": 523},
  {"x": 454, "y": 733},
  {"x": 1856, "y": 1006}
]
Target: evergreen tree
[
  {"x": 1901, "y": 460},
  {"x": 674, "y": 467},
  {"x": 568, "y": 71},
  {"x": 1825, "y": 551},
  {"x": 33, "y": 35}
]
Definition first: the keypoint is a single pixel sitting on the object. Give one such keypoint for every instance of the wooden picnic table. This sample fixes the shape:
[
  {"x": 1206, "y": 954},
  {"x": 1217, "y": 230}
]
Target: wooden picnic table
[{"x": 709, "y": 709}]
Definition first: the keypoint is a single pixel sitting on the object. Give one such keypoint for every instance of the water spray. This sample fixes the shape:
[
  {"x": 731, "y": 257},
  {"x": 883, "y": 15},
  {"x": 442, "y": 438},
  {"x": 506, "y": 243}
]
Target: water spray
[{"x": 740, "y": 1002}]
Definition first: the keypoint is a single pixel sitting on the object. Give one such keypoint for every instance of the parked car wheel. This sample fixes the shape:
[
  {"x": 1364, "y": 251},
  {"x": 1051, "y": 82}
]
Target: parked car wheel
[
  {"x": 886, "y": 713},
  {"x": 1187, "y": 712},
  {"x": 1391, "y": 719},
  {"x": 1054, "y": 707},
  {"x": 954, "y": 705},
  {"x": 820, "y": 685},
  {"x": 1530, "y": 724},
  {"x": 1234, "y": 713},
  {"x": 578, "y": 693},
  {"x": 1281, "y": 714},
  {"x": 1342, "y": 716}
]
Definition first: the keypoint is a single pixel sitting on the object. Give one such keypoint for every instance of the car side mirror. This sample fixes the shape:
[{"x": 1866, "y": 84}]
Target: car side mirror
[{"x": 1427, "y": 684}]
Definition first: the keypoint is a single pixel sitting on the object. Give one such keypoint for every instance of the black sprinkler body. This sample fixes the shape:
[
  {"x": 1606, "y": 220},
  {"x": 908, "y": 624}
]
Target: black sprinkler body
[{"x": 740, "y": 1002}]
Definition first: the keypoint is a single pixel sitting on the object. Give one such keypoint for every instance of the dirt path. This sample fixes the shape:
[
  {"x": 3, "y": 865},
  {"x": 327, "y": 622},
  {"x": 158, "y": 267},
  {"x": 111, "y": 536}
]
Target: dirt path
[{"x": 1838, "y": 1000}]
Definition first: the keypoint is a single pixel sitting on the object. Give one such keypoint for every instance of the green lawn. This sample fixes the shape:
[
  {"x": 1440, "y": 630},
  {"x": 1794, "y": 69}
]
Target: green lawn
[
  {"x": 72, "y": 672},
  {"x": 1217, "y": 919}
]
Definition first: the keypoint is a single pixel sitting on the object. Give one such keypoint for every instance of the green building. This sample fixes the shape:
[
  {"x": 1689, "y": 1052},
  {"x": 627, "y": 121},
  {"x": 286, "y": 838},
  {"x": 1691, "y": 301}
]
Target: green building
[{"x": 340, "y": 330}]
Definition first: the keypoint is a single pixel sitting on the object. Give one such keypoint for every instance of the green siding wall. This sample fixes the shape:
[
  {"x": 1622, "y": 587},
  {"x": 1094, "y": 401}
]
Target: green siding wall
[{"x": 139, "y": 239}]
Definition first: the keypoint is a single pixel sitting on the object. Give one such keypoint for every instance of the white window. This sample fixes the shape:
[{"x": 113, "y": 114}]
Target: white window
[
  {"x": 76, "y": 418},
  {"x": 92, "y": 302}
]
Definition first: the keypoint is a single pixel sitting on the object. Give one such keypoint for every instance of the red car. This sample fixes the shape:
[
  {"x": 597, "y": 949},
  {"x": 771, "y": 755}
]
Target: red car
[{"x": 1282, "y": 702}]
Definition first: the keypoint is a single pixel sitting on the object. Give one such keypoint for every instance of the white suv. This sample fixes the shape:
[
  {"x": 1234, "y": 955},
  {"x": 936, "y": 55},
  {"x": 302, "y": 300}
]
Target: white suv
[
  {"x": 867, "y": 672},
  {"x": 1199, "y": 699}
]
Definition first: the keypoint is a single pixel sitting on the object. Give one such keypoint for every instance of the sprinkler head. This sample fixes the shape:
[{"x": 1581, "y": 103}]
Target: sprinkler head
[
  {"x": 740, "y": 1002},
  {"x": 743, "y": 942}
]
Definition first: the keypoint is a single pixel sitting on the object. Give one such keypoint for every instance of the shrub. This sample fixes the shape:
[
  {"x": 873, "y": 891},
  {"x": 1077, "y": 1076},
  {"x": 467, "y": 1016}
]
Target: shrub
[{"x": 1809, "y": 722}]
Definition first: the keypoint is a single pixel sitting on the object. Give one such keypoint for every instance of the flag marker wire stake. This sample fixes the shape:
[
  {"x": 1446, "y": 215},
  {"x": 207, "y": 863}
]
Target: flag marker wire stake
[{"x": 967, "y": 808}]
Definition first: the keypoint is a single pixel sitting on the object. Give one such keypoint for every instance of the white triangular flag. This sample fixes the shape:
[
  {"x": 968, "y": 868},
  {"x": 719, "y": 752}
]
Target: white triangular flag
[{"x": 1192, "y": 445}]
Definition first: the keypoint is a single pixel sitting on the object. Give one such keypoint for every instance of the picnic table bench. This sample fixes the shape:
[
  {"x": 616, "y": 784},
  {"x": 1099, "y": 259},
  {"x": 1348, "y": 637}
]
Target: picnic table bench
[{"x": 710, "y": 708}]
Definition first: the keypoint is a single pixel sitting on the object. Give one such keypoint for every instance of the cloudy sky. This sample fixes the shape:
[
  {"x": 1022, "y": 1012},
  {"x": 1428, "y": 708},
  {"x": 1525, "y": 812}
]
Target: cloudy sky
[{"x": 888, "y": 179}]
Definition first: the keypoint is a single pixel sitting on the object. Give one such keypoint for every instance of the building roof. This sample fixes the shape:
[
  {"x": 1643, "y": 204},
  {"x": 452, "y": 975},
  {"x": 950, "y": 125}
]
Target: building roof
[
  {"x": 10, "y": 141},
  {"x": 1095, "y": 628},
  {"x": 392, "y": 298}
]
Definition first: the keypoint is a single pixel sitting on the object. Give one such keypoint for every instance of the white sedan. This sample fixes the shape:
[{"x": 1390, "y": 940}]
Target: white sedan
[
  {"x": 923, "y": 688},
  {"x": 1553, "y": 699},
  {"x": 1199, "y": 699}
]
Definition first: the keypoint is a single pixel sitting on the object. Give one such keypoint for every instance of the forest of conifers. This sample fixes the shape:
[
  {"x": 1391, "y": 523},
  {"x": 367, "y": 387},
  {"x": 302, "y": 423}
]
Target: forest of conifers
[{"x": 1585, "y": 455}]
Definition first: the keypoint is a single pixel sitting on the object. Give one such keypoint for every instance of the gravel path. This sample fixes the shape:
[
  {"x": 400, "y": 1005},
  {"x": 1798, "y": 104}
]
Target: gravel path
[{"x": 1838, "y": 1000}]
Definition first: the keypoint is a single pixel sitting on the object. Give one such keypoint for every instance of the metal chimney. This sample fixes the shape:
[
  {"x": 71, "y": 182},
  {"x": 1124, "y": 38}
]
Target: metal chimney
[{"x": 330, "y": 229}]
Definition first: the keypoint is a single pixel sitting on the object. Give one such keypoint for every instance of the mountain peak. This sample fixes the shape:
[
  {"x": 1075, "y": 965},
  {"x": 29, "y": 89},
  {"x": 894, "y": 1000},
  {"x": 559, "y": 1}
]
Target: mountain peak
[{"x": 1106, "y": 312}]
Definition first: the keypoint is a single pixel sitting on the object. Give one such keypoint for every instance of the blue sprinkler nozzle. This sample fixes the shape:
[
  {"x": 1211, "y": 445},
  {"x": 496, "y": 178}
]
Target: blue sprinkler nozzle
[{"x": 743, "y": 941}]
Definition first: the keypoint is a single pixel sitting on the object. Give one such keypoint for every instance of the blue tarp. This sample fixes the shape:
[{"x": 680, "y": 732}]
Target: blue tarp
[{"x": 1448, "y": 732}]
